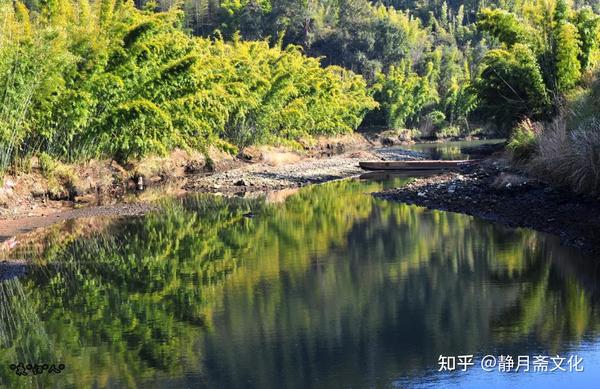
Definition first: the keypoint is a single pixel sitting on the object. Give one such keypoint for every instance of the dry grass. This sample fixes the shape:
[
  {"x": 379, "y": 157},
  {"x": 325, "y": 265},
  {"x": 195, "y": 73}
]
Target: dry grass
[
  {"x": 570, "y": 157},
  {"x": 275, "y": 157},
  {"x": 584, "y": 155}
]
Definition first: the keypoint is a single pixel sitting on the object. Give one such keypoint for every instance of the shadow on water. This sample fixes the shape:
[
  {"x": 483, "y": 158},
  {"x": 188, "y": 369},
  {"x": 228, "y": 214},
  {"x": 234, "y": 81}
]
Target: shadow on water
[{"x": 324, "y": 288}]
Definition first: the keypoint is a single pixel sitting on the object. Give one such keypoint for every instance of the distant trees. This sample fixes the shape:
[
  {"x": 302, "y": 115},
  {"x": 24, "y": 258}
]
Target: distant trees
[
  {"x": 543, "y": 54},
  {"x": 403, "y": 95},
  {"x": 373, "y": 39}
]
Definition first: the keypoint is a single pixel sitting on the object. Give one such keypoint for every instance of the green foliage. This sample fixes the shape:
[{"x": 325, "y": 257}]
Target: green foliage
[
  {"x": 568, "y": 67},
  {"x": 503, "y": 25},
  {"x": 555, "y": 42},
  {"x": 368, "y": 37},
  {"x": 139, "y": 128},
  {"x": 47, "y": 164},
  {"x": 436, "y": 117},
  {"x": 523, "y": 140},
  {"x": 511, "y": 86},
  {"x": 86, "y": 81},
  {"x": 268, "y": 94},
  {"x": 448, "y": 132},
  {"x": 105, "y": 79},
  {"x": 588, "y": 25},
  {"x": 372, "y": 38},
  {"x": 403, "y": 95}
]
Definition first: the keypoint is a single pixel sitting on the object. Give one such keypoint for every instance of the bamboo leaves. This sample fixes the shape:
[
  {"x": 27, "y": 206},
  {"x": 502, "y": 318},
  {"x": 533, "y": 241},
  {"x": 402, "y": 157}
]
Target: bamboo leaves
[{"x": 124, "y": 83}]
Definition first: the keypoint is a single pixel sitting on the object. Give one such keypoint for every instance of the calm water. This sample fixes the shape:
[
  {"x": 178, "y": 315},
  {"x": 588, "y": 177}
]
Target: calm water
[
  {"x": 454, "y": 150},
  {"x": 321, "y": 288}
]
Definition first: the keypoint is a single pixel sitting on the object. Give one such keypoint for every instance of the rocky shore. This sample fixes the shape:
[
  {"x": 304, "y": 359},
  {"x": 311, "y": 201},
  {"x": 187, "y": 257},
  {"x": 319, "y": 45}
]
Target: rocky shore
[
  {"x": 492, "y": 190},
  {"x": 498, "y": 193}
]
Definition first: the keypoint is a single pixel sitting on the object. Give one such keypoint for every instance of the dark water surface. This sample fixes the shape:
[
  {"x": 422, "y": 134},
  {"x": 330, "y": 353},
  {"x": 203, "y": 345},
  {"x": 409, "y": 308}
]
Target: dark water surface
[{"x": 325, "y": 287}]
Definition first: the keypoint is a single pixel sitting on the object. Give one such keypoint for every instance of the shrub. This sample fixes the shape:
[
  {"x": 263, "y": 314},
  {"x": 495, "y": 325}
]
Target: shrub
[
  {"x": 436, "y": 117},
  {"x": 523, "y": 140},
  {"x": 511, "y": 86},
  {"x": 402, "y": 95},
  {"x": 47, "y": 164},
  {"x": 139, "y": 128},
  {"x": 448, "y": 132}
]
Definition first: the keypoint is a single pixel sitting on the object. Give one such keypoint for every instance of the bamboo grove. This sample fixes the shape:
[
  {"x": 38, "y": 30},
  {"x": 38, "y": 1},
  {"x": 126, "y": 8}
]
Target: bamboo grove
[
  {"x": 82, "y": 80},
  {"x": 121, "y": 79},
  {"x": 440, "y": 63}
]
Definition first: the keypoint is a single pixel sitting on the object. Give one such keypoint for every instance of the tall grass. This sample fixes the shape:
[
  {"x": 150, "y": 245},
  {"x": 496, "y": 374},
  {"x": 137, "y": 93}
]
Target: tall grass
[
  {"x": 29, "y": 64},
  {"x": 14, "y": 100},
  {"x": 523, "y": 140},
  {"x": 570, "y": 157}
]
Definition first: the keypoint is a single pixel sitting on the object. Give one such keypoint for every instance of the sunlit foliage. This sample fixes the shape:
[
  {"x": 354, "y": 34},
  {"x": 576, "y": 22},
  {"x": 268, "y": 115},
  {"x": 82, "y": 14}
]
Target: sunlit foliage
[{"x": 83, "y": 79}]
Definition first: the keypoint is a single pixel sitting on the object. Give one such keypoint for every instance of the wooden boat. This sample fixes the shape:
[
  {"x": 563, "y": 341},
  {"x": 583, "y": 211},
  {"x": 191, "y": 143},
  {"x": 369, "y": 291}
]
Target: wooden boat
[{"x": 415, "y": 165}]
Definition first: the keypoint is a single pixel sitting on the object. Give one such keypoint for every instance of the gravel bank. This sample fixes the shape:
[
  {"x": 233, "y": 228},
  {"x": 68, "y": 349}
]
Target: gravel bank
[
  {"x": 10, "y": 228},
  {"x": 263, "y": 177}
]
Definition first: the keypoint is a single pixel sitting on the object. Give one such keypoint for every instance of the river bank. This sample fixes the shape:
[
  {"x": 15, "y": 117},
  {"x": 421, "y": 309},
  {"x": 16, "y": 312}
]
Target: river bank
[
  {"x": 493, "y": 190},
  {"x": 497, "y": 192},
  {"x": 112, "y": 190}
]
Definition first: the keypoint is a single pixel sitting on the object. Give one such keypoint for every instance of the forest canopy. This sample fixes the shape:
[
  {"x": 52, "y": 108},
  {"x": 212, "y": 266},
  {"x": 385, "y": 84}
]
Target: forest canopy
[
  {"x": 113, "y": 78},
  {"x": 97, "y": 79},
  {"x": 431, "y": 64}
]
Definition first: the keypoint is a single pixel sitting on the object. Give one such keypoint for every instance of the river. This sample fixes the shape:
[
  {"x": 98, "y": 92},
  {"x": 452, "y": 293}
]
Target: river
[{"x": 322, "y": 287}]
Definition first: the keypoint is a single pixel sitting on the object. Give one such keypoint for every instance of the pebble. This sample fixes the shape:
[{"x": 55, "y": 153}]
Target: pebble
[{"x": 9, "y": 184}]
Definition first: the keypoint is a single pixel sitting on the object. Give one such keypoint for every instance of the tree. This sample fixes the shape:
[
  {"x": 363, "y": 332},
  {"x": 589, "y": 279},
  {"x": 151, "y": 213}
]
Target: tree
[
  {"x": 503, "y": 25},
  {"x": 511, "y": 86},
  {"x": 587, "y": 24},
  {"x": 568, "y": 67},
  {"x": 402, "y": 95}
]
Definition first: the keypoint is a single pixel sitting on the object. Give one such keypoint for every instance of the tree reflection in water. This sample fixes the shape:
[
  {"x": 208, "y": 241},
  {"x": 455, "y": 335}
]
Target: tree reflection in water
[{"x": 330, "y": 288}]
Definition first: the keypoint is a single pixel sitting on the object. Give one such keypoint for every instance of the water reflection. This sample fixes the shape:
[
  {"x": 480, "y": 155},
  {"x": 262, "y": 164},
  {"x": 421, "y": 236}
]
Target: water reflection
[
  {"x": 324, "y": 288},
  {"x": 458, "y": 149}
]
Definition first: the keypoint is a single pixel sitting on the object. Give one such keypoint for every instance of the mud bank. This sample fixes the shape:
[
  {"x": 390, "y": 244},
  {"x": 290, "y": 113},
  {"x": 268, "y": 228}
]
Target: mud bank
[{"x": 40, "y": 190}]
